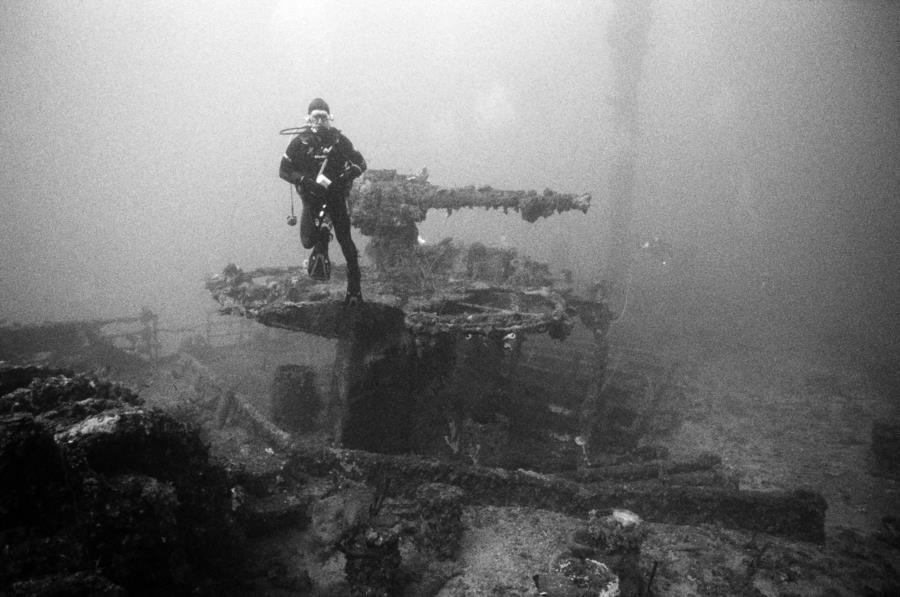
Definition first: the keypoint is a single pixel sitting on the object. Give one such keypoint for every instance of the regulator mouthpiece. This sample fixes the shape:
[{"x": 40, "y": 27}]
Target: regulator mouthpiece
[{"x": 292, "y": 220}]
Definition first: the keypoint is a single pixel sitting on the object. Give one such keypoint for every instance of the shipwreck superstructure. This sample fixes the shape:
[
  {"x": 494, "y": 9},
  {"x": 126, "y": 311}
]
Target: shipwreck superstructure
[{"x": 457, "y": 349}]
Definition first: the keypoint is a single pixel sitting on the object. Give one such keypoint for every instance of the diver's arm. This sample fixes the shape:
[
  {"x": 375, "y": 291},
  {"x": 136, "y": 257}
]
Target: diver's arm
[
  {"x": 355, "y": 162},
  {"x": 294, "y": 162},
  {"x": 351, "y": 154},
  {"x": 288, "y": 172}
]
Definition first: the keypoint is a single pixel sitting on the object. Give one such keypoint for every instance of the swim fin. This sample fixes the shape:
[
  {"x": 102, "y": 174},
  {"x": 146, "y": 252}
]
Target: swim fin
[{"x": 319, "y": 266}]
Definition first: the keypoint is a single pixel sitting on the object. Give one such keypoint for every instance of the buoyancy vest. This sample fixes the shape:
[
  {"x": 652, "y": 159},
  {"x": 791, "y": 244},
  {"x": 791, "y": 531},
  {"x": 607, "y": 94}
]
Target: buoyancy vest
[{"x": 309, "y": 149}]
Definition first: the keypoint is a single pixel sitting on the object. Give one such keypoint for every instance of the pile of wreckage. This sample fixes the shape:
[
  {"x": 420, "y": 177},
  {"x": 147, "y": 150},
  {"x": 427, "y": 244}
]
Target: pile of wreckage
[{"x": 105, "y": 493}]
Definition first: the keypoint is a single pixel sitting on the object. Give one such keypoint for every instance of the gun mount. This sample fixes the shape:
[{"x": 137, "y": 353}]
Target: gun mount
[
  {"x": 386, "y": 200},
  {"x": 388, "y": 206},
  {"x": 442, "y": 287}
]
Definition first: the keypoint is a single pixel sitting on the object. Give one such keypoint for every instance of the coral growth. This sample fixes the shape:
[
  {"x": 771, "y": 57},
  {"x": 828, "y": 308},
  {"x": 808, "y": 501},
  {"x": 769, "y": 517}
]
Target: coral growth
[{"x": 101, "y": 494}]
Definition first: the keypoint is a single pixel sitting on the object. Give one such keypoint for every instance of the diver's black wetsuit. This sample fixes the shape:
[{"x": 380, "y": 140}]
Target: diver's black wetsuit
[{"x": 300, "y": 166}]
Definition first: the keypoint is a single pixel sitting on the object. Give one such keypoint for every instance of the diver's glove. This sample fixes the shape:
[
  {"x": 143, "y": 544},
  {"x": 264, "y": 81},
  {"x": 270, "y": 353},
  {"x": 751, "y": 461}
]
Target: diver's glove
[
  {"x": 311, "y": 188},
  {"x": 350, "y": 173}
]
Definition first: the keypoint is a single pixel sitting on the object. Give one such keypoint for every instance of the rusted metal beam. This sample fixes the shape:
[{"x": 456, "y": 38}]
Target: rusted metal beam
[{"x": 797, "y": 514}]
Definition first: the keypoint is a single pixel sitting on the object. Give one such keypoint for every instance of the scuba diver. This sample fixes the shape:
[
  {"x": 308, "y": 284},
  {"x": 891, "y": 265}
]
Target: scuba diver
[{"x": 322, "y": 164}]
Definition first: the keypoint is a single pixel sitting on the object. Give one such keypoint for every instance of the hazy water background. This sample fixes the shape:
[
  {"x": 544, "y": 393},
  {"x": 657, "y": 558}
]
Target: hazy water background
[{"x": 140, "y": 145}]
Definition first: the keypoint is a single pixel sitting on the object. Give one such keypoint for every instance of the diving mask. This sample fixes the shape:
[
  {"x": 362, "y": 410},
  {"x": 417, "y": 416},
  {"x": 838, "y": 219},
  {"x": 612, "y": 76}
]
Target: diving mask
[{"x": 319, "y": 119}]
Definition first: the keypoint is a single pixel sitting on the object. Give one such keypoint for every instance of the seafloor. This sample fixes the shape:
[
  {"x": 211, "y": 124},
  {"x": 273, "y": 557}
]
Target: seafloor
[{"x": 784, "y": 406}]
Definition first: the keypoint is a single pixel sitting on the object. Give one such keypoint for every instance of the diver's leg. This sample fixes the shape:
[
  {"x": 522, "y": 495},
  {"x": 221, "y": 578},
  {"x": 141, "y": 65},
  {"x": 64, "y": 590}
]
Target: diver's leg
[
  {"x": 309, "y": 231},
  {"x": 340, "y": 217},
  {"x": 314, "y": 235}
]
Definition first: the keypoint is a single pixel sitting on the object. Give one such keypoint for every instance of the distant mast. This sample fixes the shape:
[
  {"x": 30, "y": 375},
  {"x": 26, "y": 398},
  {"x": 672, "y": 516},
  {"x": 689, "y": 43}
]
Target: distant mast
[{"x": 627, "y": 34}]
